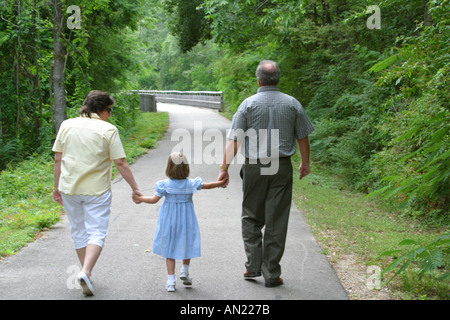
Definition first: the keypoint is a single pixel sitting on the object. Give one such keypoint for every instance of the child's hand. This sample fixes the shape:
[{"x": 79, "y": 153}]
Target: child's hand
[
  {"x": 223, "y": 176},
  {"x": 136, "y": 198},
  {"x": 223, "y": 182}
]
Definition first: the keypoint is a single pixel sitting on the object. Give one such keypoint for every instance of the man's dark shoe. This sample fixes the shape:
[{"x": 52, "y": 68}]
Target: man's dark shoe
[
  {"x": 252, "y": 274},
  {"x": 275, "y": 283}
]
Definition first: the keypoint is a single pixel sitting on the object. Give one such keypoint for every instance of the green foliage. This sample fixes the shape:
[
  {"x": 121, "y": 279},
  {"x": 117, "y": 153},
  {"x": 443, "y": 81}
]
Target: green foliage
[
  {"x": 235, "y": 23},
  {"x": 236, "y": 78},
  {"x": 348, "y": 223},
  {"x": 148, "y": 130},
  {"x": 415, "y": 165},
  {"x": 163, "y": 63},
  {"x": 430, "y": 257},
  {"x": 26, "y": 206},
  {"x": 125, "y": 111},
  {"x": 7, "y": 152},
  {"x": 25, "y": 61},
  {"x": 384, "y": 64},
  {"x": 97, "y": 56},
  {"x": 187, "y": 22}
]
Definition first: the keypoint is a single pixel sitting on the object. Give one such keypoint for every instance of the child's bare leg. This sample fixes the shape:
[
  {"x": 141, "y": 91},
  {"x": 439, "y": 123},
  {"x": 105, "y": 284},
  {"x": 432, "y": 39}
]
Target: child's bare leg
[
  {"x": 170, "y": 263},
  {"x": 186, "y": 261}
]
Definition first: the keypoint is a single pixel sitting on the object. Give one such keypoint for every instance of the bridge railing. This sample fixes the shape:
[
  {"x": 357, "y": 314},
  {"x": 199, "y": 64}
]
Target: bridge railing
[{"x": 206, "y": 99}]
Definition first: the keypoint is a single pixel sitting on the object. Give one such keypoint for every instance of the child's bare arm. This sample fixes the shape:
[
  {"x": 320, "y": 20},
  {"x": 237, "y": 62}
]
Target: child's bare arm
[
  {"x": 215, "y": 184},
  {"x": 152, "y": 199}
]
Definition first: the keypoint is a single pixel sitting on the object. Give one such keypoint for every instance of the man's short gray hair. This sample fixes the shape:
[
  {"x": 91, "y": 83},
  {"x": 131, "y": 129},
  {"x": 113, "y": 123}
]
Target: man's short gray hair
[{"x": 268, "y": 72}]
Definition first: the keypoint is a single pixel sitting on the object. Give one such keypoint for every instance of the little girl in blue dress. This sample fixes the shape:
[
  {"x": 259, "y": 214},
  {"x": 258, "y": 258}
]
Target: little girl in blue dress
[{"x": 177, "y": 234}]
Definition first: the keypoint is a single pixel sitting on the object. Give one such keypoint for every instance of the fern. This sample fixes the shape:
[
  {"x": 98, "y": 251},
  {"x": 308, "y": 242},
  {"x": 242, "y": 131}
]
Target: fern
[
  {"x": 384, "y": 64},
  {"x": 7, "y": 152},
  {"x": 430, "y": 257}
]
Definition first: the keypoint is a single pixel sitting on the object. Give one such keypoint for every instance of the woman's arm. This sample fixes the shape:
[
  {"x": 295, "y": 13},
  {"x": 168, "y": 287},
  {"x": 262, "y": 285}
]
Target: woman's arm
[
  {"x": 125, "y": 171},
  {"x": 56, "y": 174}
]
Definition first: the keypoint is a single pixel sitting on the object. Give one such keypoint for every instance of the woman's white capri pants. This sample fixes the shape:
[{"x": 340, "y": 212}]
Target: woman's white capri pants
[{"x": 88, "y": 217}]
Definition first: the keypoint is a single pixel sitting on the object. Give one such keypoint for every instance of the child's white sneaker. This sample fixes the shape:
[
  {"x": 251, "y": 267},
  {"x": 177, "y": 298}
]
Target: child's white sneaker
[
  {"x": 185, "y": 277},
  {"x": 170, "y": 286}
]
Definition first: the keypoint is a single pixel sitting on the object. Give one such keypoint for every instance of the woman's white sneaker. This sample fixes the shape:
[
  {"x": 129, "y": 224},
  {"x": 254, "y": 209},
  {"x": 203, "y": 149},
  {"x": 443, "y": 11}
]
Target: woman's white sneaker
[{"x": 85, "y": 284}]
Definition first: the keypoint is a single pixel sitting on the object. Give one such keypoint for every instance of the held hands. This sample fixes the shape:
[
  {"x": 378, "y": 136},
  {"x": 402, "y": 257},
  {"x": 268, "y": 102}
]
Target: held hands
[
  {"x": 136, "y": 196},
  {"x": 223, "y": 182},
  {"x": 215, "y": 184},
  {"x": 223, "y": 176}
]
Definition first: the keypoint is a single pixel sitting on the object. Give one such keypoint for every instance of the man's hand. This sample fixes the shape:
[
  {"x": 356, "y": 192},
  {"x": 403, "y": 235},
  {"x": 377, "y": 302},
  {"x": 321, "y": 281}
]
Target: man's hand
[
  {"x": 231, "y": 149},
  {"x": 304, "y": 147},
  {"x": 303, "y": 171},
  {"x": 223, "y": 174}
]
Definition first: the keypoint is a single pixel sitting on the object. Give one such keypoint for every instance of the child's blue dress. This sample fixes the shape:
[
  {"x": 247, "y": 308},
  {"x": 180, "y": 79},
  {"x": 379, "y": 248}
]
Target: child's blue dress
[{"x": 177, "y": 234}]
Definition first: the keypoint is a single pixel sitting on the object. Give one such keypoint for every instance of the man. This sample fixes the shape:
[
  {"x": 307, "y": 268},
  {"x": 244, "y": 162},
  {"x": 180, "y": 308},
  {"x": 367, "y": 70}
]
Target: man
[
  {"x": 84, "y": 150},
  {"x": 273, "y": 123}
]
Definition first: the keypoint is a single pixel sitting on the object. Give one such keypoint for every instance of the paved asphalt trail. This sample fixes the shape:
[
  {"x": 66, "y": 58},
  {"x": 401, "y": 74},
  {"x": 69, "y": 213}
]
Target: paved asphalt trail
[{"x": 127, "y": 269}]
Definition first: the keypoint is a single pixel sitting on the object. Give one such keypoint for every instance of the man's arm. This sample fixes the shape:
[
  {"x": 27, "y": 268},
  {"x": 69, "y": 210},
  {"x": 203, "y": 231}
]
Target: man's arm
[
  {"x": 228, "y": 156},
  {"x": 304, "y": 148},
  {"x": 125, "y": 171}
]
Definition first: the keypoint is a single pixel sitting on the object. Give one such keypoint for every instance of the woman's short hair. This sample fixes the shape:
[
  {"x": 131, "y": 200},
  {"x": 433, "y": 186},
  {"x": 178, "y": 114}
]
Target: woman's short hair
[
  {"x": 177, "y": 166},
  {"x": 268, "y": 72},
  {"x": 95, "y": 102}
]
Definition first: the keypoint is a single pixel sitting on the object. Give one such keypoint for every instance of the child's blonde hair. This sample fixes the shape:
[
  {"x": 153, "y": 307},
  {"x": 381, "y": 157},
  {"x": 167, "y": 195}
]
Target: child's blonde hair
[{"x": 177, "y": 166}]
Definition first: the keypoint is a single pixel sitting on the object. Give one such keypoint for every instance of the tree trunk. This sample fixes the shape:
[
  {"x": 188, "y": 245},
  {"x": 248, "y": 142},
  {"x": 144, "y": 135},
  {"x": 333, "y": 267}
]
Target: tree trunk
[
  {"x": 326, "y": 13},
  {"x": 427, "y": 18},
  {"x": 58, "y": 65}
]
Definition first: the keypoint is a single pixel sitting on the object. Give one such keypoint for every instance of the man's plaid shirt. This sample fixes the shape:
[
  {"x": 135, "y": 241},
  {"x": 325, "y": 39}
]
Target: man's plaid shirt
[{"x": 275, "y": 113}]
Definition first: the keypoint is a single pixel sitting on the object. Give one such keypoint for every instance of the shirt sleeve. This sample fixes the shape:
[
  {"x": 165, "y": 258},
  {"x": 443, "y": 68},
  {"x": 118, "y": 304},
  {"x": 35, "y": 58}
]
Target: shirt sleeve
[
  {"x": 160, "y": 188},
  {"x": 303, "y": 126},
  {"x": 115, "y": 146},
  {"x": 239, "y": 123},
  {"x": 57, "y": 146},
  {"x": 197, "y": 183}
]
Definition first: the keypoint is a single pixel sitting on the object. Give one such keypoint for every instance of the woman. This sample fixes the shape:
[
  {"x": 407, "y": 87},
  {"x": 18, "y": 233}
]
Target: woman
[{"x": 84, "y": 150}]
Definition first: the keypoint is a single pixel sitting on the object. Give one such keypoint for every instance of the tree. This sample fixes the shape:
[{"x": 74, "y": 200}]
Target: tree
[
  {"x": 58, "y": 76},
  {"x": 47, "y": 68},
  {"x": 187, "y": 22}
]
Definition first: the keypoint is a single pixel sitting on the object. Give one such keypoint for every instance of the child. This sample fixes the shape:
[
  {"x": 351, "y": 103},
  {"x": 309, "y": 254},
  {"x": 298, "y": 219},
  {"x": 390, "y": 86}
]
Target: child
[{"x": 177, "y": 234}]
